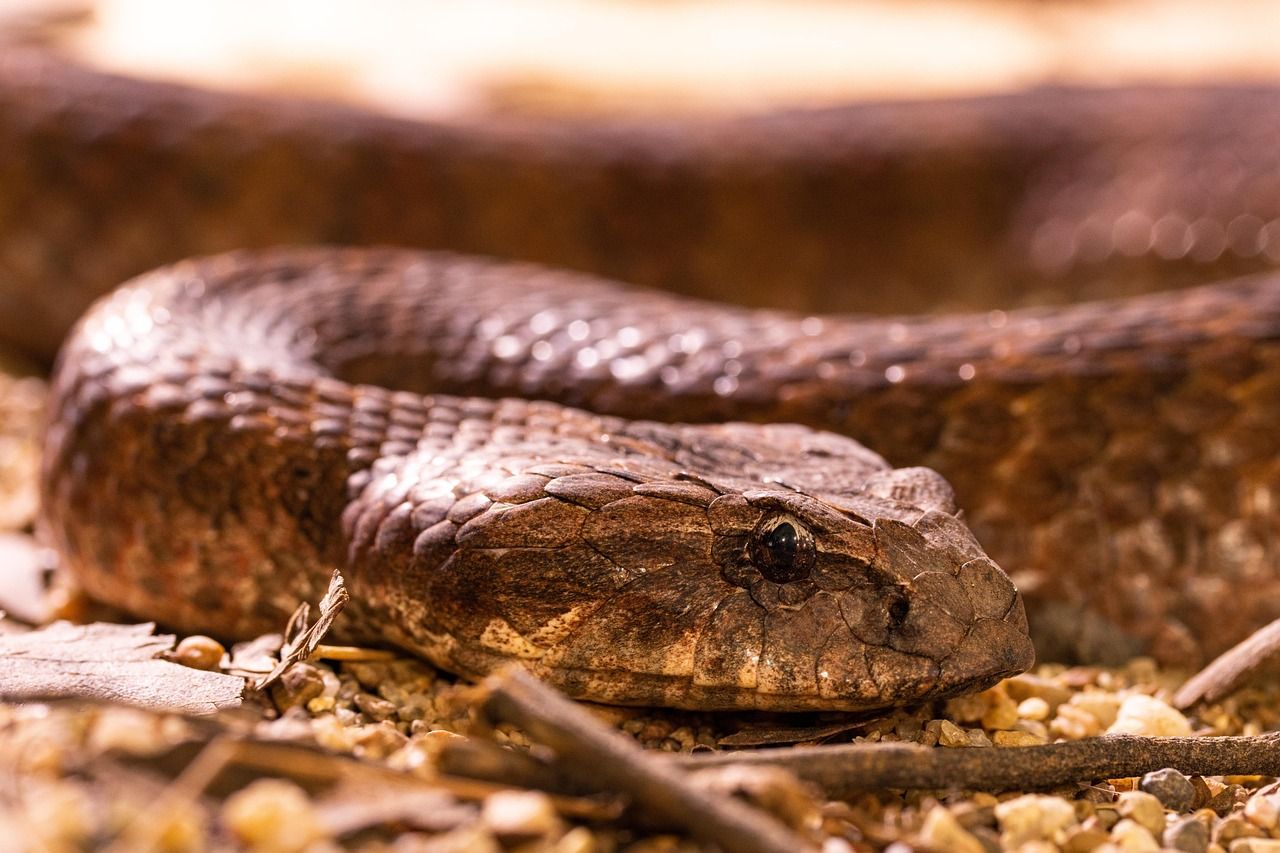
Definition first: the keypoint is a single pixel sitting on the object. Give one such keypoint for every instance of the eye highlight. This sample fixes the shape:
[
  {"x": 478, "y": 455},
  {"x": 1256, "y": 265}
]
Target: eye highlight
[{"x": 782, "y": 549}]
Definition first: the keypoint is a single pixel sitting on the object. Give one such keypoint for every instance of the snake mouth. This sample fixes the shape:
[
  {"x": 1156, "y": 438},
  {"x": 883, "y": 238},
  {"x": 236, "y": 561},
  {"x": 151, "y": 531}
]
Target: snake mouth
[
  {"x": 890, "y": 613},
  {"x": 807, "y": 659}
]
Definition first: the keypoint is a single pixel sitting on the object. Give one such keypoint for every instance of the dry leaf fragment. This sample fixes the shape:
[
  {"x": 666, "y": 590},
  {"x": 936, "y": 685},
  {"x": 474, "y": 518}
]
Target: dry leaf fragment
[
  {"x": 300, "y": 639},
  {"x": 109, "y": 663}
]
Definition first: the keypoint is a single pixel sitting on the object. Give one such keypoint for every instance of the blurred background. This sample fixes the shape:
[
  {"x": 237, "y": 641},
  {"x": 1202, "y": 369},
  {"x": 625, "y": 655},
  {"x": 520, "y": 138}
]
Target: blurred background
[{"x": 438, "y": 60}]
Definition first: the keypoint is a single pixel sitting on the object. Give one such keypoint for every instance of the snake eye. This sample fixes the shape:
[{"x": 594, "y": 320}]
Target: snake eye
[{"x": 783, "y": 550}]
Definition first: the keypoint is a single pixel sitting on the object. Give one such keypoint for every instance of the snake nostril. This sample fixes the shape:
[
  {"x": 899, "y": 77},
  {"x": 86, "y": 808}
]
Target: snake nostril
[{"x": 898, "y": 609}]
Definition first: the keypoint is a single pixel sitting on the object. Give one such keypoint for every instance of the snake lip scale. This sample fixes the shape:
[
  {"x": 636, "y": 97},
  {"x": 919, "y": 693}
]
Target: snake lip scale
[{"x": 224, "y": 434}]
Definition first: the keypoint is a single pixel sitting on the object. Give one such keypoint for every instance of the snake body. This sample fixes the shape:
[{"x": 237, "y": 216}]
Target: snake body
[
  {"x": 205, "y": 466},
  {"x": 714, "y": 566}
]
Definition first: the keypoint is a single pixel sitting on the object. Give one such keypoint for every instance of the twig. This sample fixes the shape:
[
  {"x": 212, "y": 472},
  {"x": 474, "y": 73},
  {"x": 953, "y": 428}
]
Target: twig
[
  {"x": 349, "y": 654},
  {"x": 605, "y": 759},
  {"x": 312, "y": 768},
  {"x": 469, "y": 758},
  {"x": 1231, "y": 668},
  {"x": 846, "y": 769},
  {"x": 144, "y": 832}
]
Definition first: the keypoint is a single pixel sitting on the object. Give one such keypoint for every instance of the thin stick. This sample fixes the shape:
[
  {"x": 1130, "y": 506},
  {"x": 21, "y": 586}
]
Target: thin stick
[
  {"x": 144, "y": 832},
  {"x": 1231, "y": 668},
  {"x": 608, "y": 760},
  {"x": 846, "y": 769},
  {"x": 478, "y": 759},
  {"x": 302, "y": 763}
]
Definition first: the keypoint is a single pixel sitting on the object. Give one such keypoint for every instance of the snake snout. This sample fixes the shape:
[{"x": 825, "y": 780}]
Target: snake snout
[
  {"x": 959, "y": 616},
  {"x": 889, "y": 613}
]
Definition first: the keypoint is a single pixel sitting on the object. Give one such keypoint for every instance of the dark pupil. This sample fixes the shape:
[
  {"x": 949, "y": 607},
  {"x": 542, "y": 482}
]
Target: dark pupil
[
  {"x": 781, "y": 543},
  {"x": 780, "y": 546}
]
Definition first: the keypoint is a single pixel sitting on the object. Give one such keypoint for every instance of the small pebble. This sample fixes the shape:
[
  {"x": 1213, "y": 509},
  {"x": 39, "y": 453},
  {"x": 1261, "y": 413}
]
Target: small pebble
[
  {"x": 1263, "y": 811},
  {"x": 988, "y": 837},
  {"x": 1204, "y": 791},
  {"x": 577, "y": 840},
  {"x": 1233, "y": 827},
  {"x": 1226, "y": 800},
  {"x": 771, "y": 789},
  {"x": 300, "y": 683},
  {"x": 1171, "y": 788},
  {"x": 417, "y": 706},
  {"x": 1022, "y": 687},
  {"x": 1255, "y": 845},
  {"x": 331, "y": 734},
  {"x": 1074, "y": 723},
  {"x": 1130, "y": 835},
  {"x": 370, "y": 675},
  {"x": 1083, "y": 839},
  {"x": 1103, "y": 707},
  {"x": 1033, "y": 727},
  {"x": 515, "y": 816},
  {"x": 199, "y": 652},
  {"x": 970, "y": 813},
  {"x": 1144, "y": 809},
  {"x": 58, "y": 816},
  {"x": 1188, "y": 834},
  {"x": 129, "y": 730},
  {"x": 1002, "y": 711},
  {"x": 968, "y": 708},
  {"x": 1033, "y": 708},
  {"x": 376, "y": 708},
  {"x": 949, "y": 734},
  {"x": 941, "y": 831},
  {"x": 1038, "y": 846},
  {"x": 377, "y": 740},
  {"x": 1108, "y": 818},
  {"x": 1033, "y": 817},
  {"x": 272, "y": 815},
  {"x": 1017, "y": 739},
  {"x": 1145, "y": 715}
]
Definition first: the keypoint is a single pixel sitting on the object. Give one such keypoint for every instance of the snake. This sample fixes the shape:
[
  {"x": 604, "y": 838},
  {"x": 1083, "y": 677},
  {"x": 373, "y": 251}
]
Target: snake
[{"x": 656, "y": 498}]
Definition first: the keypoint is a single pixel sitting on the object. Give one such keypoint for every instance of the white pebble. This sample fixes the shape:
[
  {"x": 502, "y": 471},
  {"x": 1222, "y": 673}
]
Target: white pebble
[
  {"x": 521, "y": 815},
  {"x": 1032, "y": 817},
  {"x": 1145, "y": 715}
]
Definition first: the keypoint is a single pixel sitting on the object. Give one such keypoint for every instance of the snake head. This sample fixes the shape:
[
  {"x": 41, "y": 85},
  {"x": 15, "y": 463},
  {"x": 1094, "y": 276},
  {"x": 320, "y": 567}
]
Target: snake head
[
  {"x": 670, "y": 565},
  {"x": 659, "y": 591},
  {"x": 846, "y": 604},
  {"x": 848, "y": 609}
]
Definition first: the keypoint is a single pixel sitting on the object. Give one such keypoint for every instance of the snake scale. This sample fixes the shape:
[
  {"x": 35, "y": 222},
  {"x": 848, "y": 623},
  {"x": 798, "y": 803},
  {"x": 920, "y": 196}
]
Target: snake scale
[{"x": 579, "y": 488}]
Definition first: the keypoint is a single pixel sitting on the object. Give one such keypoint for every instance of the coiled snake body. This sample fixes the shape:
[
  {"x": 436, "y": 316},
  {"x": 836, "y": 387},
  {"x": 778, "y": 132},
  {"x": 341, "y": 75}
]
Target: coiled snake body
[
  {"x": 205, "y": 468},
  {"x": 718, "y": 566}
]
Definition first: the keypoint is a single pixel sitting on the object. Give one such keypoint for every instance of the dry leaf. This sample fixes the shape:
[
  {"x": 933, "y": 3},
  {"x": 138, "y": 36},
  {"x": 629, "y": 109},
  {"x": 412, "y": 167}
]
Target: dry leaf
[
  {"x": 301, "y": 640},
  {"x": 109, "y": 663}
]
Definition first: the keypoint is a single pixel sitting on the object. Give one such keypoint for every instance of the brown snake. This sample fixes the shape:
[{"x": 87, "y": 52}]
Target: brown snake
[{"x": 203, "y": 468}]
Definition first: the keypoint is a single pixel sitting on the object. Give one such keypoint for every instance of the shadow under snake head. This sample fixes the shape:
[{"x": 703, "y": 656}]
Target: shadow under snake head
[{"x": 641, "y": 570}]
